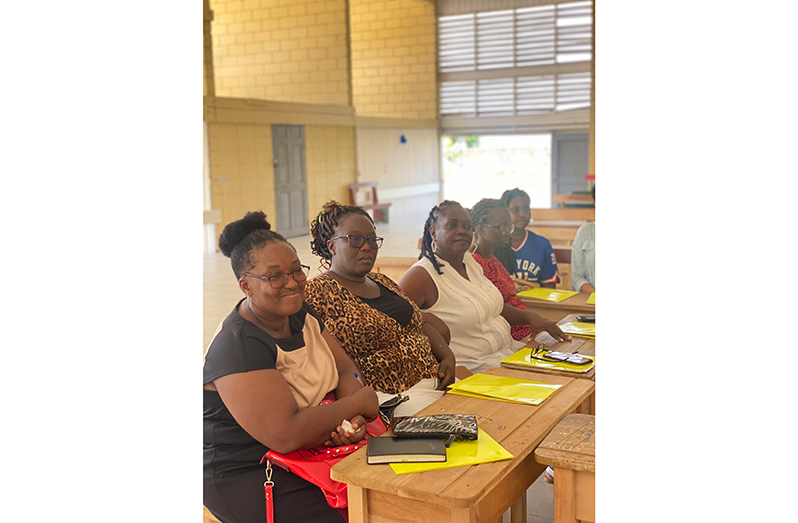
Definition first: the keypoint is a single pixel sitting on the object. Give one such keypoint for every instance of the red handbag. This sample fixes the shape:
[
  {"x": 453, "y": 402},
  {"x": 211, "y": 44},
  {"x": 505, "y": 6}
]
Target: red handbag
[{"x": 314, "y": 465}]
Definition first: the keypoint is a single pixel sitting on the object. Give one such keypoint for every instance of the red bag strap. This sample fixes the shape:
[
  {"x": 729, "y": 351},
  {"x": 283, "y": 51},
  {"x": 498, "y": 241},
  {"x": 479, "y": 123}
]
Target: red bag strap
[{"x": 267, "y": 488}]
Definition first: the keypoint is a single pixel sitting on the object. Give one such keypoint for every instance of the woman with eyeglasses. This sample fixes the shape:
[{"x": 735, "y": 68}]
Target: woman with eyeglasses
[
  {"x": 492, "y": 228},
  {"x": 265, "y": 373},
  {"x": 374, "y": 322},
  {"x": 448, "y": 282}
]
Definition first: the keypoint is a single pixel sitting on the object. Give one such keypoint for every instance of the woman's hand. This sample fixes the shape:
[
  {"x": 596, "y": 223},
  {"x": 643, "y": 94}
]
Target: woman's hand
[
  {"x": 446, "y": 373},
  {"x": 345, "y": 437},
  {"x": 538, "y": 323}
]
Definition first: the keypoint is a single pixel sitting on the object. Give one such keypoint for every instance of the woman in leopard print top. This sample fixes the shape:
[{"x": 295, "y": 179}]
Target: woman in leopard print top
[{"x": 372, "y": 319}]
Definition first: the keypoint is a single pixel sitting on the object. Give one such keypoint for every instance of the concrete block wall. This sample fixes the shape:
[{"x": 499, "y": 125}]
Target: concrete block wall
[
  {"x": 281, "y": 50},
  {"x": 393, "y": 58},
  {"x": 330, "y": 161},
  {"x": 242, "y": 172},
  {"x": 297, "y": 51}
]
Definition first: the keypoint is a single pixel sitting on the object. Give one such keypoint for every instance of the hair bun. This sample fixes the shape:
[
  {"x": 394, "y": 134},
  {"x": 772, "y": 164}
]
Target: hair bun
[{"x": 236, "y": 231}]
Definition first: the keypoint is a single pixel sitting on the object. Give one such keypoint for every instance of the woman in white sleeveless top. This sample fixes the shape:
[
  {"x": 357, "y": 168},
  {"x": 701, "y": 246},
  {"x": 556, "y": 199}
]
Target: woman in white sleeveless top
[{"x": 450, "y": 284}]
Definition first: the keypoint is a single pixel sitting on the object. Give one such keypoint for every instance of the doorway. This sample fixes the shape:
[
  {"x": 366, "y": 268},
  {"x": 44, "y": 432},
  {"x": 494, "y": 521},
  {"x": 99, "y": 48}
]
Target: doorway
[
  {"x": 569, "y": 163},
  {"x": 290, "y": 180}
]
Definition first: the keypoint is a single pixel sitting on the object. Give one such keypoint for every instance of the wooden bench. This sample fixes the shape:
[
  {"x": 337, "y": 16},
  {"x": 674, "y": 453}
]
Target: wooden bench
[
  {"x": 586, "y": 214},
  {"x": 570, "y": 449},
  {"x": 577, "y": 199},
  {"x": 560, "y": 233},
  {"x": 370, "y": 203}
]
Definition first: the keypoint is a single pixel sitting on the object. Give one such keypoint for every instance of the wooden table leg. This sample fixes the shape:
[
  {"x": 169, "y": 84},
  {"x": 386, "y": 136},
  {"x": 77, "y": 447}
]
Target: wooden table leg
[
  {"x": 460, "y": 515},
  {"x": 358, "y": 505},
  {"x": 518, "y": 510},
  {"x": 564, "y": 485}
]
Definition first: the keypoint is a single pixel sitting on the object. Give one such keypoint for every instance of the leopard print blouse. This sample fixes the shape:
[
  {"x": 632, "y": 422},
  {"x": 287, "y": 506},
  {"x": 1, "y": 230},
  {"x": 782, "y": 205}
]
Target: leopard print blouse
[{"x": 391, "y": 357}]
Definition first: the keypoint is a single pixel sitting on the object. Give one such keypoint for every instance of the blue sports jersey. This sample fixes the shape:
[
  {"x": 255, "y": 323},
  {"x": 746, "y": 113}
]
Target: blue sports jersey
[{"x": 535, "y": 261}]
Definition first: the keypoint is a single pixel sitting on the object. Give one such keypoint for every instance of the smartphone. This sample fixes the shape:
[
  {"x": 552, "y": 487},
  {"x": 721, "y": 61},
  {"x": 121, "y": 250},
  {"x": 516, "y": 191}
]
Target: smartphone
[{"x": 586, "y": 319}]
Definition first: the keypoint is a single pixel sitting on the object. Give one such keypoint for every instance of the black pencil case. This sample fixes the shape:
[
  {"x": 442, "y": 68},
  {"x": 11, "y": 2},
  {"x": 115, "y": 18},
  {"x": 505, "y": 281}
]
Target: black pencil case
[{"x": 447, "y": 426}]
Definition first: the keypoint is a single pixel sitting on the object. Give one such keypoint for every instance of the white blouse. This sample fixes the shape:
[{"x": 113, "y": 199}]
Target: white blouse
[{"x": 472, "y": 309}]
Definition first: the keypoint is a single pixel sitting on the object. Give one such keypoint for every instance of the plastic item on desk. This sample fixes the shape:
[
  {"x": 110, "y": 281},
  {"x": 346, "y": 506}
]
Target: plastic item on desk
[
  {"x": 504, "y": 388},
  {"x": 461, "y": 453},
  {"x": 523, "y": 358},
  {"x": 541, "y": 293},
  {"x": 592, "y": 299}
]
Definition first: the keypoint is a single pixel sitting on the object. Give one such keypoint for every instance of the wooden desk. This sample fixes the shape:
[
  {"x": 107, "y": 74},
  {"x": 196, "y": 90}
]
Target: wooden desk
[
  {"x": 478, "y": 493},
  {"x": 560, "y": 233},
  {"x": 555, "y": 311},
  {"x": 583, "y": 346},
  {"x": 571, "y": 450}
]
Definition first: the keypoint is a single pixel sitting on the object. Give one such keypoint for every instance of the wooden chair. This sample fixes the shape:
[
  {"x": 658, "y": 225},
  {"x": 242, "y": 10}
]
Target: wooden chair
[
  {"x": 570, "y": 449},
  {"x": 371, "y": 204}
]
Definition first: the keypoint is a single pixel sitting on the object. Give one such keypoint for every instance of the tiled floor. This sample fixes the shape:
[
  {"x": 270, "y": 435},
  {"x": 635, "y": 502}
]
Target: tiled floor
[{"x": 221, "y": 293}]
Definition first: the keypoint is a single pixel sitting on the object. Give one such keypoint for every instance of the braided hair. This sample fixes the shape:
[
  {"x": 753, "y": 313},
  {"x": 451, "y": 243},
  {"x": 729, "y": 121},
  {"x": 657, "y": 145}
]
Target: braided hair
[
  {"x": 481, "y": 210},
  {"x": 241, "y": 237},
  {"x": 513, "y": 193},
  {"x": 479, "y": 216},
  {"x": 426, "y": 239},
  {"x": 323, "y": 228}
]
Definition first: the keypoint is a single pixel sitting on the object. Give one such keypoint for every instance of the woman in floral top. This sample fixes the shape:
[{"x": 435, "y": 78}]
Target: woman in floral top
[{"x": 492, "y": 227}]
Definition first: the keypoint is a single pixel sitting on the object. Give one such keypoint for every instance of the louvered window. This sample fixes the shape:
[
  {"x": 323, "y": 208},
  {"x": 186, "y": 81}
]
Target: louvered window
[{"x": 523, "y": 63}]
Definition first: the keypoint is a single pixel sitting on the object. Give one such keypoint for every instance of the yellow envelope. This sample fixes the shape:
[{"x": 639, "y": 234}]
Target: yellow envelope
[
  {"x": 592, "y": 299},
  {"x": 578, "y": 328},
  {"x": 541, "y": 293},
  {"x": 481, "y": 396},
  {"x": 503, "y": 388},
  {"x": 460, "y": 453}
]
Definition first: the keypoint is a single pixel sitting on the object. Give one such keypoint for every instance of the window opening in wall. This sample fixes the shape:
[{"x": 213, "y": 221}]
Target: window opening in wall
[
  {"x": 484, "y": 166},
  {"x": 523, "y": 63}
]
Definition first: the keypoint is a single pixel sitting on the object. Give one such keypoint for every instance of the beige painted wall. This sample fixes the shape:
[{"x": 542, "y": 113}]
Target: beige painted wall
[
  {"x": 394, "y": 58},
  {"x": 383, "y": 158},
  {"x": 282, "y": 50}
]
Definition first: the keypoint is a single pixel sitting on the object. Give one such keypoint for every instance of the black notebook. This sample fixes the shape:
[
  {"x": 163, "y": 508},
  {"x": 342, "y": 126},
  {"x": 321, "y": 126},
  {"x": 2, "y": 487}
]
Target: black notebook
[{"x": 405, "y": 450}]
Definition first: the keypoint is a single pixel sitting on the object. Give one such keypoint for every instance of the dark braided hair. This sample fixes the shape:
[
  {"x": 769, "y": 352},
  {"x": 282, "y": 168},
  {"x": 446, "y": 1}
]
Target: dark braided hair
[
  {"x": 513, "y": 193},
  {"x": 481, "y": 210},
  {"x": 479, "y": 216},
  {"x": 323, "y": 227},
  {"x": 241, "y": 237},
  {"x": 426, "y": 239}
]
